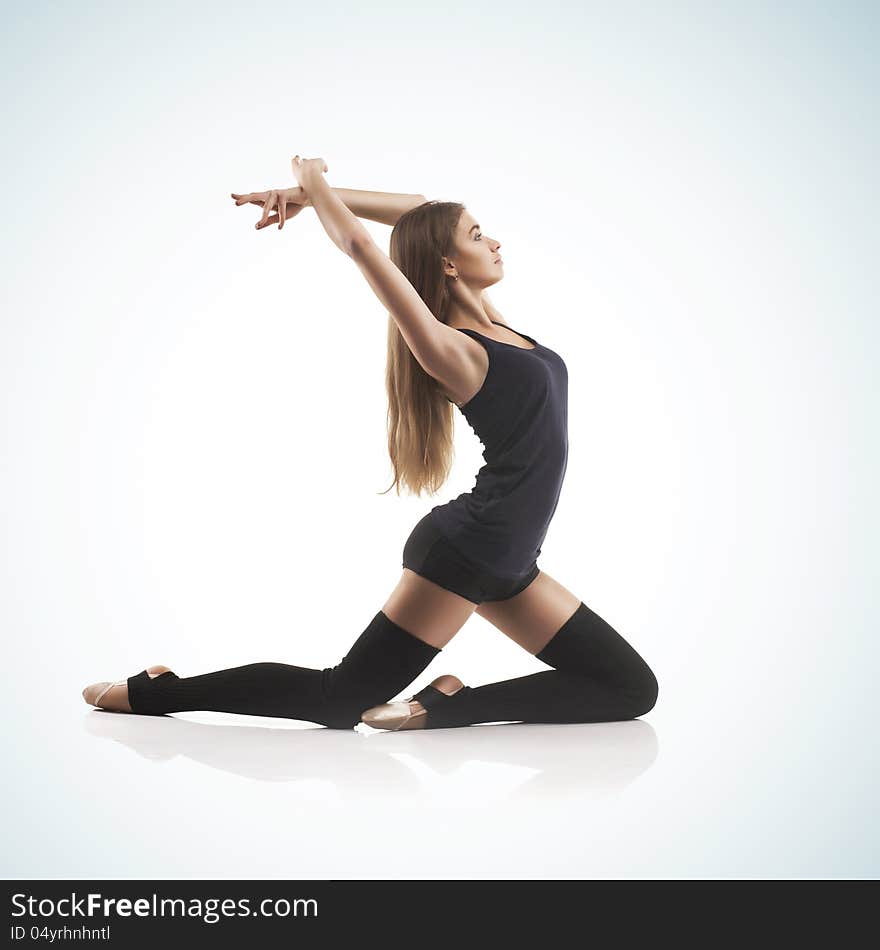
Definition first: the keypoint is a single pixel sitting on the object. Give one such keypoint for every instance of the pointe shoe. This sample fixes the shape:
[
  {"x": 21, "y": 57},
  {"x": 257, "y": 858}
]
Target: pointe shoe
[
  {"x": 95, "y": 693},
  {"x": 413, "y": 713}
]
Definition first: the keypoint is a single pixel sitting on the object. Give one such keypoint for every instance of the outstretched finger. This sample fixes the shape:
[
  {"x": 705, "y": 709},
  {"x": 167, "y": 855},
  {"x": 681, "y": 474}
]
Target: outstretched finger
[
  {"x": 267, "y": 207},
  {"x": 282, "y": 212}
]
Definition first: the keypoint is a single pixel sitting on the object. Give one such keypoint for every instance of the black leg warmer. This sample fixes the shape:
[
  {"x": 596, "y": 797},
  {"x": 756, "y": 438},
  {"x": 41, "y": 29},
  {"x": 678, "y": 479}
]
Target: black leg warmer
[
  {"x": 598, "y": 677},
  {"x": 384, "y": 660}
]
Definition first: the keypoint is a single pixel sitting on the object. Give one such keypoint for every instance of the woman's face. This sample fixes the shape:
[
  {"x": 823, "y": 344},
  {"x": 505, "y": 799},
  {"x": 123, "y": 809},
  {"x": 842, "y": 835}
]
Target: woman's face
[{"x": 476, "y": 258}]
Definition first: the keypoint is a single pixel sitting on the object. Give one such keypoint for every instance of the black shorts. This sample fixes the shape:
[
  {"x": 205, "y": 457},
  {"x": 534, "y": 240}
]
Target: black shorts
[{"x": 429, "y": 554}]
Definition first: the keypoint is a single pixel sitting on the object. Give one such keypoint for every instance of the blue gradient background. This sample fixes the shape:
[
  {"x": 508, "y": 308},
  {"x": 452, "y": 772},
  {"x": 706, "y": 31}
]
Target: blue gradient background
[{"x": 194, "y": 441}]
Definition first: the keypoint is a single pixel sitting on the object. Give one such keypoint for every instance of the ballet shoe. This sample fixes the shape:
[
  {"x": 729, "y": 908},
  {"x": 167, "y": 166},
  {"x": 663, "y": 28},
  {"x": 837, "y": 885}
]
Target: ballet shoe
[
  {"x": 94, "y": 693},
  {"x": 413, "y": 713}
]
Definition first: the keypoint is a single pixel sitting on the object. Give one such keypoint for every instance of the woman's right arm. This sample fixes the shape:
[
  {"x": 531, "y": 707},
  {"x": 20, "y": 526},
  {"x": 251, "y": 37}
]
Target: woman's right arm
[
  {"x": 339, "y": 221},
  {"x": 437, "y": 347}
]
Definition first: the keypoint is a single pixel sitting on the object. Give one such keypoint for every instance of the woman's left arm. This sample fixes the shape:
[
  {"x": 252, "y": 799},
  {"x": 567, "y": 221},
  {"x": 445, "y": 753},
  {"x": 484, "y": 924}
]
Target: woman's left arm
[{"x": 383, "y": 206}]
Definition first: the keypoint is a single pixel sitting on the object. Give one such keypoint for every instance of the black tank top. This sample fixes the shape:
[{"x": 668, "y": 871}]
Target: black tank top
[{"x": 520, "y": 415}]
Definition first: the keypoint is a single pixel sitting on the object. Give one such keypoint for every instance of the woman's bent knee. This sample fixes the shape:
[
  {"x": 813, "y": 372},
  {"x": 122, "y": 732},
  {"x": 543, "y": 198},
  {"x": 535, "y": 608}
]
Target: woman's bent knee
[{"x": 645, "y": 692}]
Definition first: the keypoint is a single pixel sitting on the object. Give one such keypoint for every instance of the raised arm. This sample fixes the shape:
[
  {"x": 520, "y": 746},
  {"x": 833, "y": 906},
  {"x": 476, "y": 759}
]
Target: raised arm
[
  {"x": 437, "y": 347},
  {"x": 383, "y": 206},
  {"x": 386, "y": 207},
  {"x": 340, "y": 222}
]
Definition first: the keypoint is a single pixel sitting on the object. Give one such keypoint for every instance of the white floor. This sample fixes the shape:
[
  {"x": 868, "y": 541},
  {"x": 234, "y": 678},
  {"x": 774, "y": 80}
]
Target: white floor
[{"x": 684, "y": 793}]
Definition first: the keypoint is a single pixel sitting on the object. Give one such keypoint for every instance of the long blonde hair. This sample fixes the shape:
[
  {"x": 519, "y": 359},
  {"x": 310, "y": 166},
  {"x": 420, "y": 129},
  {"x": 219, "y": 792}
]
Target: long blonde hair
[{"x": 420, "y": 417}]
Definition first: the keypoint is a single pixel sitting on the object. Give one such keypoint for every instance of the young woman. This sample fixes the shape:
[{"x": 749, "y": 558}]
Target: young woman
[{"x": 447, "y": 345}]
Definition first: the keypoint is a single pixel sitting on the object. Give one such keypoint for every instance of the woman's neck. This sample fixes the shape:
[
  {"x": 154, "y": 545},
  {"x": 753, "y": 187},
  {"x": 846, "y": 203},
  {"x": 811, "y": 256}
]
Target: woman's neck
[{"x": 470, "y": 311}]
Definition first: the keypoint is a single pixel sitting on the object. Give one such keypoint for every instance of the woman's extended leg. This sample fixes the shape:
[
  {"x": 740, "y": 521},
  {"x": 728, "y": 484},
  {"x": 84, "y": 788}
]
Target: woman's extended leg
[
  {"x": 385, "y": 659},
  {"x": 597, "y": 675}
]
